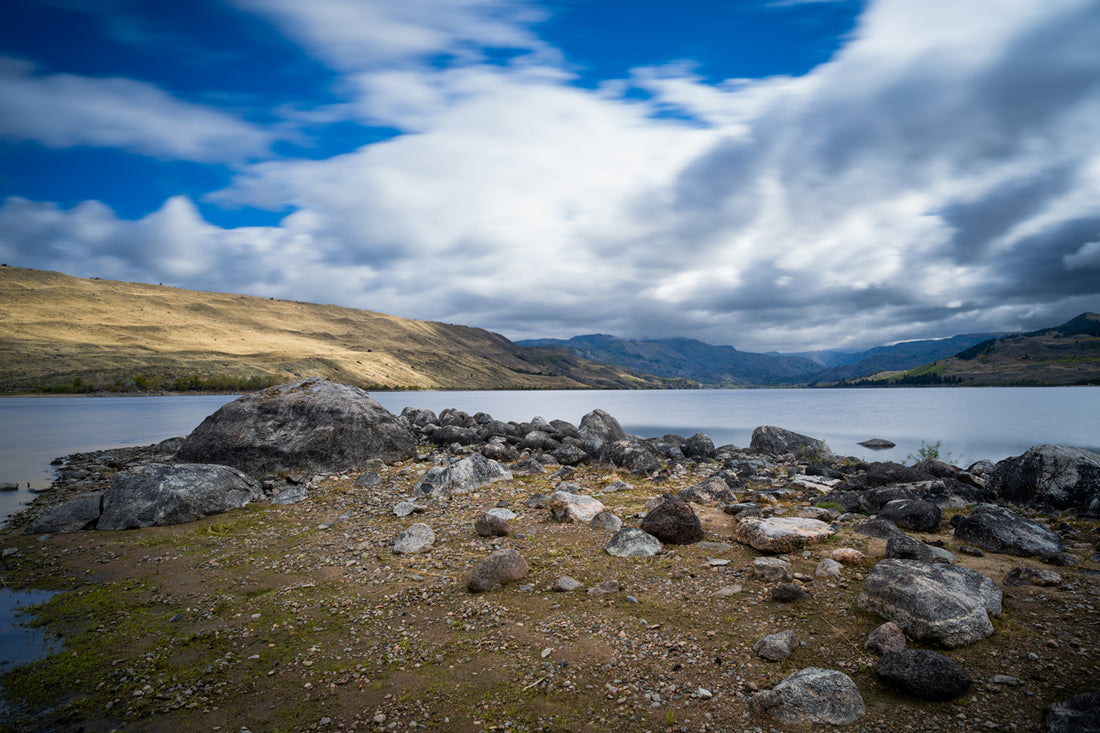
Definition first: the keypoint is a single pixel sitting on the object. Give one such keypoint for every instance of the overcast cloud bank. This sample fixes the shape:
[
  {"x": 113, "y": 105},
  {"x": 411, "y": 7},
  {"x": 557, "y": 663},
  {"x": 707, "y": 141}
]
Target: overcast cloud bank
[{"x": 941, "y": 174}]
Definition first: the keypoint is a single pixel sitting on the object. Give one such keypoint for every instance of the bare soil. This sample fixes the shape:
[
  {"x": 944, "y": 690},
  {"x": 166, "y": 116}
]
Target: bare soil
[{"x": 299, "y": 617}]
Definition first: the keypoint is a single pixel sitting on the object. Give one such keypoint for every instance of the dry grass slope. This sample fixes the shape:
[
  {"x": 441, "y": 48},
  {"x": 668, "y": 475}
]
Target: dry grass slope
[{"x": 56, "y": 328}]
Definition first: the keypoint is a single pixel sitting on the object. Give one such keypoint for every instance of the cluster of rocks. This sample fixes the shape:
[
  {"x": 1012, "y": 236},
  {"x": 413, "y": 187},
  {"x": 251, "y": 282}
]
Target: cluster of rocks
[{"x": 264, "y": 446}]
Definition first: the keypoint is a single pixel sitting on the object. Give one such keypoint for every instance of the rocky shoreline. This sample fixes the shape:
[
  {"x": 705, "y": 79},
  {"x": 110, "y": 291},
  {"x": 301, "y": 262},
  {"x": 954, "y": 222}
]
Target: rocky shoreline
[{"x": 455, "y": 572}]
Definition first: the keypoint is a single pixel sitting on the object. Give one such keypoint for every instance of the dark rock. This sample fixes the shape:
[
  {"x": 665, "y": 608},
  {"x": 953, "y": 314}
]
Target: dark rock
[
  {"x": 472, "y": 472},
  {"x": 632, "y": 456},
  {"x": 972, "y": 551},
  {"x": 885, "y": 473},
  {"x": 1078, "y": 714},
  {"x": 997, "y": 529},
  {"x": 772, "y": 569},
  {"x": 673, "y": 522},
  {"x": 932, "y": 603},
  {"x": 845, "y": 501},
  {"x": 80, "y": 512},
  {"x": 313, "y": 426},
  {"x": 606, "y": 520},
  {"x": 713, "y": 490},
  {"x": 538, "y": 501},
  {"x": 745, "y": 509},
  {"x": 873, "y": 500},
  {"x": 501, "y": 567},
  {"x": 490, "y": 525},
  {"x": 419, "y": 417},
  {"x": 454, "y": 434},
  {"x": 1062, "y": 559},
  {"x": 904, "y": 547},
  {"x": 632, "y": 542},
  {"x": 925, "y": 674},
  {"x": 886, "y": 638},
  {"x": 877, "y": 444},
  {"x": 778, "y": 441},
  {"x": 811, "y": 697},
  {"x": 1058, "y": 476},
  {"x": 604, "y": 587},
  {"x": 698, "y": 446},
  {"x": 570, "y": 455},
  {"x": 789, "y": 593},
  {"x": 160, "y": 494},
  {"x": 913, "y": 514},
  {"x": 882, "y": 529}
]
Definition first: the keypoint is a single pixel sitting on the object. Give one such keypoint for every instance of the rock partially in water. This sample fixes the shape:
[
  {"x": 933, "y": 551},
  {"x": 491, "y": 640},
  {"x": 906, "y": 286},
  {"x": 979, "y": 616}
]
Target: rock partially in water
[{"x": 80, "y": 512}]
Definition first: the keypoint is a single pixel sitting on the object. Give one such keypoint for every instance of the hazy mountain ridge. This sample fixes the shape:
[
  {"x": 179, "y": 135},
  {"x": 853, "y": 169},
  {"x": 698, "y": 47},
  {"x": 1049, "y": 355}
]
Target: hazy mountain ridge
[
  {"x": 57, "y": 329},
  {"x": 726, "y": 366}
]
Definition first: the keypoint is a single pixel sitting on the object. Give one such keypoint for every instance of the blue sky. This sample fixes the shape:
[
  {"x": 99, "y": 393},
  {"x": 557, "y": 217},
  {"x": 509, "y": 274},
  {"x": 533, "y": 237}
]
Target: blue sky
[{"x": 779, "y": 175}]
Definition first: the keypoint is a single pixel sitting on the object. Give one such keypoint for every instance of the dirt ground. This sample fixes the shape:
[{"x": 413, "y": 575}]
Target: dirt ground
[{"x": 299, "y": 617}]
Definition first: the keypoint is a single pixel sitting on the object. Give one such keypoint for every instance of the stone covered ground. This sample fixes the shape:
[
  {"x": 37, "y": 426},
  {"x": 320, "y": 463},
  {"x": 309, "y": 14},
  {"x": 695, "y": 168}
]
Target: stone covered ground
[{"x": 300, "y": 617}]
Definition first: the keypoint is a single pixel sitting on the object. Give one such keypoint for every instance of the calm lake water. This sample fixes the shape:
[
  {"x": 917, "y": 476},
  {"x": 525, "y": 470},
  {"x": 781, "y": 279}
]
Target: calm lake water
[{"x": 970, "y": 424}]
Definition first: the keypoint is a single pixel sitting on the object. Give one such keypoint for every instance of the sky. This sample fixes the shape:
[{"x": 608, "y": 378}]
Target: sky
[{"x": 778, "y": 175}]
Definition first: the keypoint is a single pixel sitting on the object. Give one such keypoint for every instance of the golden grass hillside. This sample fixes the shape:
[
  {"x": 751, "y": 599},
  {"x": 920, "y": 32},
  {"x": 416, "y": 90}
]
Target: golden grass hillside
[{"x": 56, "y": 329}]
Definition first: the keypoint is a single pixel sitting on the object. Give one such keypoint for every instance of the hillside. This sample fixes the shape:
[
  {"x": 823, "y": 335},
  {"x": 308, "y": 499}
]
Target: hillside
[
  {"x": 58, "y": 331},
  {"x": 1063, "y": 355},
  {"x": 725, "y": 366},
  {"x": 722, "y": 366}
]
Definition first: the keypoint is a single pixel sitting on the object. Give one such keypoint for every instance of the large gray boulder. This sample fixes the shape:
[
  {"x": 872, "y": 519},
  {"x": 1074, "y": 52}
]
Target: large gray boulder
[
  {"x": 160, "y": 494},
  {"x": 913, "y": 514},
  {"x": 932, "y": 603},
  {"x": 1058, "y": 476},
  {"x": 473, "y": 472},
  {"x": 997, "y": 529},
  {"x": 631, "y": 455},
  {"x": 80, "y": 512},
  {"x": 812, "y": 697},
  {"x": 599, "y": 425},
  {"x": 777, "y": 441},
  {"x": 310, "y": 426}
]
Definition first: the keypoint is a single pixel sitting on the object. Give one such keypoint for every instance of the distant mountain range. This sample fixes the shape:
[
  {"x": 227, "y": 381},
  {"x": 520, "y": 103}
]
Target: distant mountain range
[{"x": 725, "y": 366}]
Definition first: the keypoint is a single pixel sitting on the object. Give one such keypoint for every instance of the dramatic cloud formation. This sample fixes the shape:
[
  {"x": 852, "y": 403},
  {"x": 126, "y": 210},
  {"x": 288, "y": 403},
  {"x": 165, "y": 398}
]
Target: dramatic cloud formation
[{"x": 940, "y": 174}]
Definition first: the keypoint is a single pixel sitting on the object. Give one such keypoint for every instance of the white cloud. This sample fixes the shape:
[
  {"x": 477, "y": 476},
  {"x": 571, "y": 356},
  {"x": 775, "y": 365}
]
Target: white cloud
[
  {"x": 938, "y": 176},
  {"x": 65, "y": 110}
]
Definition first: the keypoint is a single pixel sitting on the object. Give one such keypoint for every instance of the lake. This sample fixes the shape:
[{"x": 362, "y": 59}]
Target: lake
[{"x": 969, "y": 424}]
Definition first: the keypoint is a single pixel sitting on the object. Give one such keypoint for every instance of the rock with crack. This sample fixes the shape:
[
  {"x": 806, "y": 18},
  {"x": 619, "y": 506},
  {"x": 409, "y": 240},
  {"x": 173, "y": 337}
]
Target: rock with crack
[
  {"x": 80, "y": 512},
  {"x": 501, "y": 567},
  {"x": 313, "y": 426},
  {"x": 1058, "y": 476},
  {"x": 159, "y": 494},
  {"x": 472, "y": 472},
  {"x": 781, "y": 534},
  {"x": 811, "y": 697},
  {"x": 935, "y": 603},
  {"x": 916, "y": 515},
  {"x": 777, "y": 441}
]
